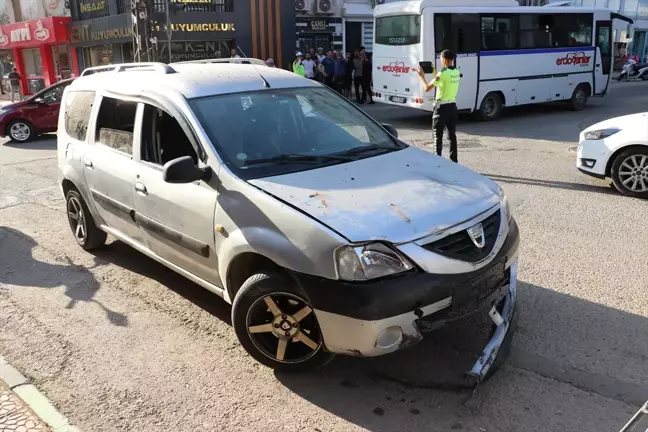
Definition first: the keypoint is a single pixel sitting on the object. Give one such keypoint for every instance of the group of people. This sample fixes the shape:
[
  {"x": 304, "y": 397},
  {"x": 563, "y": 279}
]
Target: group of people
[{"x": 343, "y": 74}]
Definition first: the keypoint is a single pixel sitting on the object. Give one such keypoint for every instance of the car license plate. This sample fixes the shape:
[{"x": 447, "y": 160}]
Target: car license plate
[{"x": 398, "y": 99}]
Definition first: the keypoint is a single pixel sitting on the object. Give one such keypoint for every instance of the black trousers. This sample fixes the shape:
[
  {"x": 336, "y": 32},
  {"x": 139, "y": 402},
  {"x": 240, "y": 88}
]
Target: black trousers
[
  {"x": 445, "y": 117},
  {"x": 357, "y": 81},
  {"x": 366, "y": 89}
]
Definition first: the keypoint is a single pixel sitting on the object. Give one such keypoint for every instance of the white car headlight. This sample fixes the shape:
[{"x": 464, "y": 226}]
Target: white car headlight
[
  {"x": 600, "y": 133},
  {"x": 369, "y": 261}
]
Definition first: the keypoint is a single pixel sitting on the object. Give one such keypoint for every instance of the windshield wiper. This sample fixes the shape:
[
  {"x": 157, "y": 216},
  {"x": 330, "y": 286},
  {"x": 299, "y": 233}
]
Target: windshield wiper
[
  {"x": 366, "y": 149},
  {"x": 298, "y": 158}
]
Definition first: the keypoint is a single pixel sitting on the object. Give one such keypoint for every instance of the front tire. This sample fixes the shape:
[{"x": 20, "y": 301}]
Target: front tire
[
  {"x": 630, "y": 172},
  {"x": 491, "y": 107},
  {"x": 579, "y": 98},
  {"x": 20, "y": 131},
  {"x": 82, "y": 224},
  {"x": 276, "y": 325}
]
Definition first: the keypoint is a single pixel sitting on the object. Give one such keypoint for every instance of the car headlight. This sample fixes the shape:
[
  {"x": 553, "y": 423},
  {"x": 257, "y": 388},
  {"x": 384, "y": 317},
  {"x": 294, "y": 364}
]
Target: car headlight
[
  {"x": 600, "y": 133},
  {"x": 369, "y": 261},
  {"x": 504, "y": 204}
]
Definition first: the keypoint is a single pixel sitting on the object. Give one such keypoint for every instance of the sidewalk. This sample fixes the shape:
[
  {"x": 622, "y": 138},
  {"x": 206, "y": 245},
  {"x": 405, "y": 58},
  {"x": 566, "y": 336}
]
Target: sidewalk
[
  {"x": 25, "y": 409},
  {"x": 15, "y": 416}
]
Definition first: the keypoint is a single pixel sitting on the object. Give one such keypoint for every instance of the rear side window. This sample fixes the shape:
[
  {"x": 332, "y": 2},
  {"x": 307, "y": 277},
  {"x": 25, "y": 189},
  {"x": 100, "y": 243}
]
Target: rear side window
[
  {"x": 398, "y": 30},
  {"x": 115, "y": 123},
  {"x": 78, "y": 106}
]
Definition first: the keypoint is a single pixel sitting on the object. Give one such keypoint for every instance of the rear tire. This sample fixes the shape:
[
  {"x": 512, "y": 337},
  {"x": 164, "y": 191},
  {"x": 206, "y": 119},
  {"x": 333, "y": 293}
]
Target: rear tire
[
  {"x": 82, "y": 224},
  {"x": 630, "y": 172},
  {"x": 277, "y": 327},
  {"x": 20, "y": 131},
  {"x": 491, "y": 107},
  {"x": 579, "y": 98}
]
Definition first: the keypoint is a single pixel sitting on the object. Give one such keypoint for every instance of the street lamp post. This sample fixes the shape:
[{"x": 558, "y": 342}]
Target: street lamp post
[{"x": 168, "y": 28}]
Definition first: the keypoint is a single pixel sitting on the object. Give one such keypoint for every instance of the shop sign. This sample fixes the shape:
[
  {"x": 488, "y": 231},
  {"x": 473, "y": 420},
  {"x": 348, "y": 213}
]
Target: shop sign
[
  {"x": 30, "y": 33},
  {"x": 85, "y": 33},
  {"x": 184, "y": 51},
  {"x": 195, "y": 27},
  {"x": 92, "y": 8},
  {"x": 318, "y": 25}
]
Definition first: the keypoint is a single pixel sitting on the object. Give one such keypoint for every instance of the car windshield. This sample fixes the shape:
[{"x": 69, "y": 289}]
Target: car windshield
[{"x": 271, "y": 132}]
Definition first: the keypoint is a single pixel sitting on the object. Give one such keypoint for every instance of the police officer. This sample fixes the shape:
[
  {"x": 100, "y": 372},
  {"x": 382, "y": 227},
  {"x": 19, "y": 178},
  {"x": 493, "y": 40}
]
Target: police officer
[{"x": 445, "y": 107}]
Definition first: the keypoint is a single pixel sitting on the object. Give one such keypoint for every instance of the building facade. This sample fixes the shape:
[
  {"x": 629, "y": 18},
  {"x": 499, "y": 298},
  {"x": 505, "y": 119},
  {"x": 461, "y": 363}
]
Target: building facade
[
  {"x": 34, "y": 39},
  {"x": 196, "y": 29}
]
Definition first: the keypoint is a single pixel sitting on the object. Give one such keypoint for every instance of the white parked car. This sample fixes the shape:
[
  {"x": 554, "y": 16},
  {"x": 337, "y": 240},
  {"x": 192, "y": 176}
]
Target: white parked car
[{"x": 617, "y": 148}]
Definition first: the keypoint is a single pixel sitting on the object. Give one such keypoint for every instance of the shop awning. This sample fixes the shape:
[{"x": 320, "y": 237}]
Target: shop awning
[{"x": 357, "y": 10}]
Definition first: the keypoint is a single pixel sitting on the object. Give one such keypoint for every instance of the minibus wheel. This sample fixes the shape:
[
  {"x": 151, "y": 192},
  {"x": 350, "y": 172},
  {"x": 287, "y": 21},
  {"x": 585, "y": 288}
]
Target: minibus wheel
[
  {"x": 491, "y": 107},
  {"x": 276, "y": 325},
  {"x": 579, "y": 98}
]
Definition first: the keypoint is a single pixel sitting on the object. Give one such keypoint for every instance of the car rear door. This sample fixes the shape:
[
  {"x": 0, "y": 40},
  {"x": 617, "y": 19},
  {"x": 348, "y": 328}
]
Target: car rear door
[{"x": 109, "y": 167}]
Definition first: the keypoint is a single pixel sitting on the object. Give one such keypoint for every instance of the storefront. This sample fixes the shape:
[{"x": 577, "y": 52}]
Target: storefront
[
  {"x": 102, "y": 41},
  {"x": 40, "y": 51},
  {"x": 319, "y": 32},
  {"x": 358, "y": 26},
  {"x": 257, "y": 28}
]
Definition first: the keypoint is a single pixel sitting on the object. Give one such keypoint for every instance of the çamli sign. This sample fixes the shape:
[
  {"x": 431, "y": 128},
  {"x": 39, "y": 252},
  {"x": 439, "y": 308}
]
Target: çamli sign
[{"x": 318, "y": 25}]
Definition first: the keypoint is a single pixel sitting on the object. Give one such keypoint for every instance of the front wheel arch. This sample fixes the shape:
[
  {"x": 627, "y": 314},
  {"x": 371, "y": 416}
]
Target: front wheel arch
[{"x": 617, "y": 152}]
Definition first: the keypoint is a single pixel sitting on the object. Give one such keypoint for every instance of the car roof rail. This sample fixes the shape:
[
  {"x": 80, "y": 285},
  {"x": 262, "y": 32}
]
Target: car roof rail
[
  {"x": 159, "y": 67},
  {"x": 242, "y": 60}
]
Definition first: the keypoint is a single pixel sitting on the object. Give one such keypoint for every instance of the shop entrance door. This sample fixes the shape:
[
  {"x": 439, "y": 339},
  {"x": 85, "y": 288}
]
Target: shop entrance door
[{"x": 62, "y": 62}]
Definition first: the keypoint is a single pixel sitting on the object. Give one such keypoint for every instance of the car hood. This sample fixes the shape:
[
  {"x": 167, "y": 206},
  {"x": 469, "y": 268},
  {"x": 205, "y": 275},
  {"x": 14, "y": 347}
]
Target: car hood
[
  {"x": 631, "y": 121},
  {"x": 397, "y": 197},
  {"x": 13, "y": 106}
]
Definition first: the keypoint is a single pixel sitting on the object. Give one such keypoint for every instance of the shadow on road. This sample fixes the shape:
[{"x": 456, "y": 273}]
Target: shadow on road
[
  {"x": 41, "y": 142},
  {"x": 124, "y": 256},
  {"x": 19, "y": 267},
  {"x": 606, "y": 190},
  {"x": 390, "y": 392}
]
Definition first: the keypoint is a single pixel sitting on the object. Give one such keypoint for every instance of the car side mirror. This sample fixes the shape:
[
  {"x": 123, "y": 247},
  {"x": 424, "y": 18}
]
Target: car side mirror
[
  {"x": 40, "y": 101},
  {"x": 184, "y": 170},
  {"x": 391, "y": 129}
]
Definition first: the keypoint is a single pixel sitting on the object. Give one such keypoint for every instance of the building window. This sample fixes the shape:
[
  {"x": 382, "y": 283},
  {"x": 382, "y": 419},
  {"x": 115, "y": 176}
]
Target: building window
[
  {"x": 630, "y": 8},
  {"x": 98, "y": 56},
  {"x": 32, "y": 62},
  {"x": 188, "y": 6}
]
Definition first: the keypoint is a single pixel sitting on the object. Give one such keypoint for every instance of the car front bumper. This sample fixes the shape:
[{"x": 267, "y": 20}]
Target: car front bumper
[
  {"x": 378, "y": 318},
  {"x": 592, "y": 157}
]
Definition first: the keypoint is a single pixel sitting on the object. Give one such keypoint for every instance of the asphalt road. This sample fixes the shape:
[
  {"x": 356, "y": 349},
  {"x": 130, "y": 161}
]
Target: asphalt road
[{"x": 119, "y": 343}]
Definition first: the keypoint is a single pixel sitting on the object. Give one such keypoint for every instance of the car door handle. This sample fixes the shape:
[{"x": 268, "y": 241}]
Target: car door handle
[
  {"x": 88, "y": 163},
  {"x": 140, "y": 188}
]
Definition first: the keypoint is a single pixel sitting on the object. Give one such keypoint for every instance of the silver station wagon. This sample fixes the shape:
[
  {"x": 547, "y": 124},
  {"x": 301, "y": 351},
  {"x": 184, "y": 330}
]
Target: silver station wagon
[{"x": 326, "y": 233}]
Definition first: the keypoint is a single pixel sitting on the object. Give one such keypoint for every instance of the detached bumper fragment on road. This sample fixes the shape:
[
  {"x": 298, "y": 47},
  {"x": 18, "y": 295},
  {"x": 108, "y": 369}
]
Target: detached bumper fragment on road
[{"x": 503, "y": 324}]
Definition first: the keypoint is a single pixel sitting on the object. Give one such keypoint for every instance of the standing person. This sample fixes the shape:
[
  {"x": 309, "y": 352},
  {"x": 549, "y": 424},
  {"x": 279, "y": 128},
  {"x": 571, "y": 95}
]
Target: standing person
[
  {"x": 347, "y": 82},
  {"x": 445, "y": 106},
  {"x": 320, "y": 54},
  {"x": 14, "y": 81},
  {"x": 234, "y": 55},
  {"x": 298, "y": 66},
  {"x": 340, "y": 72},
  {"x": 366, "y": 77},
  {"x": 357, "y": 77},
  {"x": 327, "y": 68},
  {"x": 310, "y": 68}
]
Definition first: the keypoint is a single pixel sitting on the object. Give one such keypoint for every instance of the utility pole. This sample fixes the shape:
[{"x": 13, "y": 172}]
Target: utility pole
[{"x": 168, "y": 28}]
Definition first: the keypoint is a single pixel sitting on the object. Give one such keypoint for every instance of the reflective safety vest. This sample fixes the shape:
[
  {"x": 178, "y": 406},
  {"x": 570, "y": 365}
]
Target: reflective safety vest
[
  {"x": 447, "y": 84},
  {"x": 299, "y": 69}
]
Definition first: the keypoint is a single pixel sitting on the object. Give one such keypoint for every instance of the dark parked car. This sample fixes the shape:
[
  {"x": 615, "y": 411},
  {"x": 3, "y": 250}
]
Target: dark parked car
[{"x": 38, "y": 114}]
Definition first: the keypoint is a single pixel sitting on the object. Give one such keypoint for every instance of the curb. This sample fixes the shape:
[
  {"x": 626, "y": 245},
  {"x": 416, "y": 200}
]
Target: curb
[{"x": 34, "y": 399}]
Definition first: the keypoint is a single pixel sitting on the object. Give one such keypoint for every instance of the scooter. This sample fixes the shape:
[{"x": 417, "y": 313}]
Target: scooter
[{"x": 634, "y": 71}]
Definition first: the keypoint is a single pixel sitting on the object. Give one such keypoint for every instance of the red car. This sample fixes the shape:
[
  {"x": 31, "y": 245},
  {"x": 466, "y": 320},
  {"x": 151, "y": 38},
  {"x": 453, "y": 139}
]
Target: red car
[{"x": 38, "y": 114}]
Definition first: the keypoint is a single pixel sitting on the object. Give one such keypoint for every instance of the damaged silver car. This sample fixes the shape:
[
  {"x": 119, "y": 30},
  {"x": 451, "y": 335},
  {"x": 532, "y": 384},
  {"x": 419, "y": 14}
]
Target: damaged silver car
[{"x": 327, "y": 233}]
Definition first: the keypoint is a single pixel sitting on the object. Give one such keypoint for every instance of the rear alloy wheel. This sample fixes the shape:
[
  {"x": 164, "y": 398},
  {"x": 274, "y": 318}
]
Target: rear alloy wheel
[
  {"x": 277, "y": 326},
  {"x": 579, "y": 98},
  {"x": 20, "y": 131},
  {"x": 630, "y": 173}
]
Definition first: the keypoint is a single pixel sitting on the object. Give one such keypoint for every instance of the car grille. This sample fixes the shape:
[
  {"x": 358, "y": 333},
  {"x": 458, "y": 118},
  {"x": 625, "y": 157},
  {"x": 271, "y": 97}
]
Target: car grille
[{"x": 461, "y": 247}]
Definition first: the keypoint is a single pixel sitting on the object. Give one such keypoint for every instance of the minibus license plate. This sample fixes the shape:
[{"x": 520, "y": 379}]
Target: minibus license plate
[{"x": 398, "y": 99}]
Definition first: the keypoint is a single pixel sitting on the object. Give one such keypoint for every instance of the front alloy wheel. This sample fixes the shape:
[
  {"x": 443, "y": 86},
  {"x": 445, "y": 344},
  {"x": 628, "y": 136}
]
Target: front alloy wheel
[
  {"x": 277, "y": 326},
  {"x": 82, "y": 224},
  {"x": 630, "y": 173}
]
